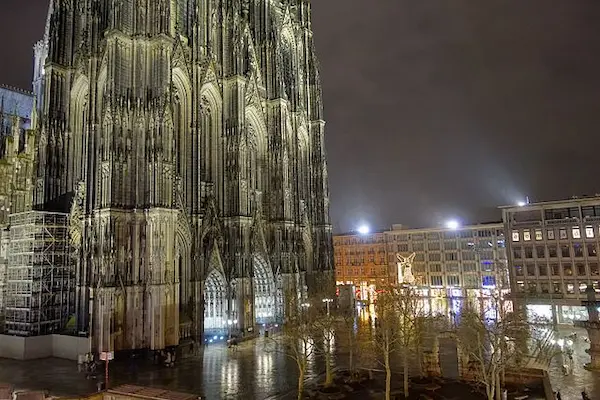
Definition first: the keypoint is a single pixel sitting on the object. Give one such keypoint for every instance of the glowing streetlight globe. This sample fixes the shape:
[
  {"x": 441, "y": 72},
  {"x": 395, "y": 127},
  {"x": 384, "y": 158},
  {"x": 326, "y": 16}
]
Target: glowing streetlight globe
[
  {"x": 363, "y": 229},
  {"x": 521, "y": 203}
]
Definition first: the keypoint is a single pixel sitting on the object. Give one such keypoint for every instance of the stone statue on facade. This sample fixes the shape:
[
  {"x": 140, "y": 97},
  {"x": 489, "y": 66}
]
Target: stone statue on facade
[
  {"x": 76, "y": 216},
  {"x": 405, "y": 268}
]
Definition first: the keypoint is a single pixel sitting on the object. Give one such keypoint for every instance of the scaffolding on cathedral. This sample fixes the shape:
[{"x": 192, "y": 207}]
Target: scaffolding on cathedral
[{"x": 39, "y": 287}]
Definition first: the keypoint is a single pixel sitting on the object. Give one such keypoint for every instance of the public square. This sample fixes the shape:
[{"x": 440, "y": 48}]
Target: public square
[
  {"x": 252, "y": 371},
  {"x": 173, "y": 171}
]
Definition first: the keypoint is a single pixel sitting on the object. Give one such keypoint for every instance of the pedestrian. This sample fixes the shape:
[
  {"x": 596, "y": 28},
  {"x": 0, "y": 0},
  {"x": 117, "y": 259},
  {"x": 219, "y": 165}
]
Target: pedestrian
[{"x": 558, "y": 396}]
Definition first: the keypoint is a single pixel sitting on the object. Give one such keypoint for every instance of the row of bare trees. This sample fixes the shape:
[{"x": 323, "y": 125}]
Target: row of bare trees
[{"x": 491, "y": 338}]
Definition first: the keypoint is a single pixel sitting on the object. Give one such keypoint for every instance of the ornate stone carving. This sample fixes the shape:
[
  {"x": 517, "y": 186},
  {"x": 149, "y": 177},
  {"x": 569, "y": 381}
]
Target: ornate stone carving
[
  {"x": 161, "y": 179},
  {"x": 405, "y": 268},
  {"x": 76, "y": 216}
]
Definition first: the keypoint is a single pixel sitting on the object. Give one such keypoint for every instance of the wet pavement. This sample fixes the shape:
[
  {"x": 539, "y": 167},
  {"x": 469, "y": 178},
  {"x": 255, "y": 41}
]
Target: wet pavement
[
  {"x": 252, "y": 372},
  {"x": 570, "y": 386},
  {"x": 256, "y": 370}
]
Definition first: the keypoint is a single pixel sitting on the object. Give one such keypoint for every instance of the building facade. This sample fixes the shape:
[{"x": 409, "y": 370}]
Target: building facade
[
  {"x": 17, "y": 152},
  {"x": 184, "y": 142},
  {"x": 361, "y": 262},
  {"x": 553, "y": 255},
  {"x": 466, "y": 262}
]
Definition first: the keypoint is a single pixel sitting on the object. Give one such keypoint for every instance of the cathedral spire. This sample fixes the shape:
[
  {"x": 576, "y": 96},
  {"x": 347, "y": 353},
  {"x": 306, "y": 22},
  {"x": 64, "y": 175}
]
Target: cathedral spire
[{"x": 48, "y": 22}]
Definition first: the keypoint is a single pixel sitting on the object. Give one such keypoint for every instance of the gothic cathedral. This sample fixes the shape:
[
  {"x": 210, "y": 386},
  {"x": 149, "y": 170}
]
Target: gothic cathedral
[{"x": 185, "y": 140}]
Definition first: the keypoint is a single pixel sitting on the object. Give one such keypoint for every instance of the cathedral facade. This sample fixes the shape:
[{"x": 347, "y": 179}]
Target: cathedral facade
[{"x": 185, "y": 140}]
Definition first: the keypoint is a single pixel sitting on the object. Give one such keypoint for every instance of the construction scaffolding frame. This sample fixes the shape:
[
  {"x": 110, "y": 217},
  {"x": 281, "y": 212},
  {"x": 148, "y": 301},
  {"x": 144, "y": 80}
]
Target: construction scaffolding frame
[
  {"x": 39, "y": 287},
  {"x": 4, "y": 239}
]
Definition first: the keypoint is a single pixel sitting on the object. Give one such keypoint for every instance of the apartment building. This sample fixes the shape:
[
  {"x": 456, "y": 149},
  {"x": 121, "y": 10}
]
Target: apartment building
[
  {"x": 553, "y": 255},
  {"x": 463, "y": 261},
  {"x": 361, "y": 261}
]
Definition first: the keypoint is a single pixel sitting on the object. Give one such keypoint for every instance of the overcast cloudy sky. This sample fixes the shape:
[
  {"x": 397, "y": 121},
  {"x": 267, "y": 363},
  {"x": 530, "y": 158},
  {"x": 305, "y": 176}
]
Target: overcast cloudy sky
[{"x": 435, "y": 109}]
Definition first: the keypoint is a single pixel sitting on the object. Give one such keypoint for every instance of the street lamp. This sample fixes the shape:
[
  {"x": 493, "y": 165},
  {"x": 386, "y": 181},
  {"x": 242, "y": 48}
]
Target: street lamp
[
  {"x": 229, "y": 323},
  {"x": 327, "y": 301}
]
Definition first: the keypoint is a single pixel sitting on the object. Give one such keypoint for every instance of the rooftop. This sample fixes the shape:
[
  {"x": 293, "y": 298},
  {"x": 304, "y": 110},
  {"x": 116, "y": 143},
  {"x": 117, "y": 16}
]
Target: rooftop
[
  {"x": 555, "y": 203},
  {"x": 484, "y": 225},
  {"x": 15, "y": 101}
]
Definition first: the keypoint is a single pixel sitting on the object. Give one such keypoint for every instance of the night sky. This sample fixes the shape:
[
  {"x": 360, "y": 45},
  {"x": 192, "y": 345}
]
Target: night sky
[{"x": 435, "y": 109}]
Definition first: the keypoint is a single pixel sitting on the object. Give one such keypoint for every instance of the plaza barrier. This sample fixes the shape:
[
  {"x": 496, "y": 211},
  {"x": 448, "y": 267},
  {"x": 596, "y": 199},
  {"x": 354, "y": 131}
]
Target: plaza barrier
[{"x": 36, "y": 347}]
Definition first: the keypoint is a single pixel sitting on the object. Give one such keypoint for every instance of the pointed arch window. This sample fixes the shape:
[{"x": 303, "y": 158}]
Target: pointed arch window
[
  {"x": 289, "y": 68},
  {"x": 303, "y": 166},
  {"x": 77, "y": 154}
]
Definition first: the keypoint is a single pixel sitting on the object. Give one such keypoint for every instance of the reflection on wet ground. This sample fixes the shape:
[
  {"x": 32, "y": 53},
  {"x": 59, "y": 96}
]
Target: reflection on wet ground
[
  {"x": 254, "y": 371},
  {"x": 570, "y": 386}
]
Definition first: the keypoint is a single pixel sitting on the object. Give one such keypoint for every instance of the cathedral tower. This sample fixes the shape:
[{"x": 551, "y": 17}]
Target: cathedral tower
[{"x": 186, "y": 139}]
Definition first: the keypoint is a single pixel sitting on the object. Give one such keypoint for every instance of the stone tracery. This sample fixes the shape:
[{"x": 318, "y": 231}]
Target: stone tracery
[{"x": 174, "y": 139}]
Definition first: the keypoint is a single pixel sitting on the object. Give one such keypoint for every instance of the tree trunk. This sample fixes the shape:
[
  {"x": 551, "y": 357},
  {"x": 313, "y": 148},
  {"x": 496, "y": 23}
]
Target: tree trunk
[
  {"x": 351, "y": 361},
  {"x": 301, "y": 383},
  {"x": 490, "y": 387},
  {"x": 328, "y": 369},
  {"x": 420, "y": 361},
  {"x": 489, "y": 391},
  {"x": 388, "y": 377},
  {"x": 498, "y": 388},
  {"x": 405, "y": 373}
]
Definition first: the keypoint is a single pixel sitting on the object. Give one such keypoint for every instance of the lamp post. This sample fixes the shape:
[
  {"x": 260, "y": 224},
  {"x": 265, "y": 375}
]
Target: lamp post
[{"x": 327, "y": 301}]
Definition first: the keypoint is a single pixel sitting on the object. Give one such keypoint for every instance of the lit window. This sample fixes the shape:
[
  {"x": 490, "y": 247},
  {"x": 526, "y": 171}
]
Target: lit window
[
  {"x": 526, "y": 235},
  {"x": 488, "y": 281},
  {"x": 576, "y": 232},
  {"x": 436, "y": 281},
  {"x": 551, "y": 234},
  {"x": 453, "y": 280},
  {"x": 538, "y": 234},
  {"x": 563, "y": 234},
  {"x": 589, "y": 232},
  {"x": 515, "y": 236}
]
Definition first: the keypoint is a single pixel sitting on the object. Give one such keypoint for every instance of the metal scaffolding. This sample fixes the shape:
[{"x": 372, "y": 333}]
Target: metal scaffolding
[
  {"x": 4, "y": 238},
  {"x": 39, "y": 286}
]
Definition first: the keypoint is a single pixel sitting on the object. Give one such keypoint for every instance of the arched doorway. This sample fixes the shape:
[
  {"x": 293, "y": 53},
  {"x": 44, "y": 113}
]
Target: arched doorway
[
  {"x": 263, "y": 284},
  {"x": 215, "y": 305}
]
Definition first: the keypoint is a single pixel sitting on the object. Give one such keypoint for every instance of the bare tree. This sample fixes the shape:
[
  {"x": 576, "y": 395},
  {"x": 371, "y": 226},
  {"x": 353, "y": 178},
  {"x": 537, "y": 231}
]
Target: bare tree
[
  {"x": 412, "y": 321},
  {"x": 350, "y": 326},
  {"x": 296, "y": 338},
  {"x": 325, "y": 332},
  {"x": 386, "y": 337},
  {"x": 488, "y": 346},
  {"x": 296, "y": 341}
]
